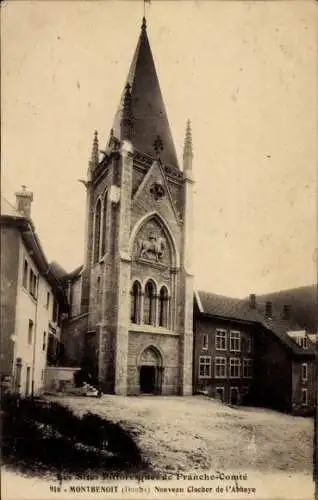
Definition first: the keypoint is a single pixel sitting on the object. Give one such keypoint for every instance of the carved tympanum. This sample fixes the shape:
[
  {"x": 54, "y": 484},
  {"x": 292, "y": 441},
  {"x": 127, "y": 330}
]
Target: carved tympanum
[{"x": 151, "y": 244}]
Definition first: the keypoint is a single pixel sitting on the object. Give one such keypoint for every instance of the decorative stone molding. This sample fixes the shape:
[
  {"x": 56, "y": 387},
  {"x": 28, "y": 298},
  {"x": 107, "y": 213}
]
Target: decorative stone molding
[{"x": 126, "y": 148}]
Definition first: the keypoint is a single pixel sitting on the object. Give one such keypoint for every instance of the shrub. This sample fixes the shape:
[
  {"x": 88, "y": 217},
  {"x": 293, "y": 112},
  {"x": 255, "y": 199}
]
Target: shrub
[{"x": 49, "y": 435}]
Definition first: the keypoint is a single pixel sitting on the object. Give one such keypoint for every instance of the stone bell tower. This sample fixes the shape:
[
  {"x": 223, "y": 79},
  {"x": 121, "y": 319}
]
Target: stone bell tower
[{"x": 137, "y": 283}]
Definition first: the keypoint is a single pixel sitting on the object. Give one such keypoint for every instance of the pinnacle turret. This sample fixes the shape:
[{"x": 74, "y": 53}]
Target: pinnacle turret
[
  {"x": 127, "y": 117},
  {"x": 187, "y": 150},
  {"x": 95, "y": 151}
]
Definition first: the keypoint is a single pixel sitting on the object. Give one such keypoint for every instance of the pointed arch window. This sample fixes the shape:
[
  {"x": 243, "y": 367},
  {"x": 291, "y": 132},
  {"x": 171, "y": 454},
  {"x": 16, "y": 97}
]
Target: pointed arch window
[
  {"x": 150, "y": 304},
  {"x": 105, "y": 209},
  {"x": 163, "y": 307},
  {"x": 135, "y": 303},
  {"x": 97, "y": 230},
  {"x": 98, "y": 298}
]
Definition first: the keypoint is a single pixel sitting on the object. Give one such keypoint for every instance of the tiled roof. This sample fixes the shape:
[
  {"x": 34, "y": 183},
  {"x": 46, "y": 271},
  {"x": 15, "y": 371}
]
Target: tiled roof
[
  {"x": 239, "y": 309},
  {"x": 228, "y": 307}
]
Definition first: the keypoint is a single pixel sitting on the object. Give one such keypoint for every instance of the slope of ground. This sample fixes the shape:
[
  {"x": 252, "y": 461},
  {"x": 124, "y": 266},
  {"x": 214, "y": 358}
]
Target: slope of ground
[{"x": 196, "y": 433}]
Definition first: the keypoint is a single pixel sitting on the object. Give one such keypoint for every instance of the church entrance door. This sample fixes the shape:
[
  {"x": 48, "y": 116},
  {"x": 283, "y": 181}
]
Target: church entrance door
[
  {"x": 150, "y": 371},
  {"x": 147, "y": 379}
]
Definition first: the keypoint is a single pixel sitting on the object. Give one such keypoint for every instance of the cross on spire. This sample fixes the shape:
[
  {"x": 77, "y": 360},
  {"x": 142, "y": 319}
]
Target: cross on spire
[{"x": 144, "y": 16}]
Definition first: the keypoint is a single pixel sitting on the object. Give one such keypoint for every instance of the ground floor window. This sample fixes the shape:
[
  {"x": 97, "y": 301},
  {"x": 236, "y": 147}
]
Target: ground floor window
[
  {"x": 235, "y": 367},
  {"x": 28, "y": 381},
  {"x": 304, "y": 397},
  {"x": 220, "y": 393},
  {"x": 205, "y": 367}
]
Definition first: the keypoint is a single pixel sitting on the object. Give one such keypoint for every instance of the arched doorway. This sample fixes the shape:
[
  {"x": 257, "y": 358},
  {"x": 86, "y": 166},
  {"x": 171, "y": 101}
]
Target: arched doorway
[{"x": 150, "y": 371}]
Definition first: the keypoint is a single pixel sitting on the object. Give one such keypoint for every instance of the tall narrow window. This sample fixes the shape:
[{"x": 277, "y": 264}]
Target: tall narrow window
[
  {"x": 149, "y": 304},
  {"x": 135, "y": 303},
  {"x": 30, "y": 281},
  {"x": 163, "y": 307},
  {"x": 104, "y": 224},
  {"x": 55, "y": 311},
  {"x": 44, "y": 342},
  {"x": 25, "y": 275},
  {"x": 30, "y": 331},
  {"x": 97, "y": 231},
  {"x": 98, "y": 298}
]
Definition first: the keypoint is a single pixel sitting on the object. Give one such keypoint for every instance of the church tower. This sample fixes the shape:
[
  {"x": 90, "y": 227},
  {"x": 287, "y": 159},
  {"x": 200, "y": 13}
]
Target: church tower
[{"x": 137, "y": 282}]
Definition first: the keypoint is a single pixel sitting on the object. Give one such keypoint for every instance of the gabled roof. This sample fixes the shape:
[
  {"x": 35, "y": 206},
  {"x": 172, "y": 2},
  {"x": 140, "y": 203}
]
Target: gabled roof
[
  {"x": 228, "y": 308},
  {"x": 148, "y": 110}
]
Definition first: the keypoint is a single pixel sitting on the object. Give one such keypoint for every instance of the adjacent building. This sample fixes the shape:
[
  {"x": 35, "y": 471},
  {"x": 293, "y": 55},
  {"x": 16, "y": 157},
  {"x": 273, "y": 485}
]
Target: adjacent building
[
  {"x": 249, "y": 353},
  {"x": 32, "y": 301}
]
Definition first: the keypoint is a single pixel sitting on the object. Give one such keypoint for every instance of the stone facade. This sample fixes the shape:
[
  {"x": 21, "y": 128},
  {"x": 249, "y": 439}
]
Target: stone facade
[{"x": 138, "y": 238}]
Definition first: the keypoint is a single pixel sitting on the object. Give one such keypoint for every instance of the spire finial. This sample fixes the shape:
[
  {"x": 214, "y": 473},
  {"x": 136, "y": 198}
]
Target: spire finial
[
  {"x": 144, "y": 22},
  {"x": 95, "y": 150}
]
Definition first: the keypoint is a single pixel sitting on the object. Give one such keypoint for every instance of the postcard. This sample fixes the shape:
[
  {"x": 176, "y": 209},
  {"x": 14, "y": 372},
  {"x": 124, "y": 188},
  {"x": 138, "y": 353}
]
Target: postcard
[{"x": 159, "y": 249}]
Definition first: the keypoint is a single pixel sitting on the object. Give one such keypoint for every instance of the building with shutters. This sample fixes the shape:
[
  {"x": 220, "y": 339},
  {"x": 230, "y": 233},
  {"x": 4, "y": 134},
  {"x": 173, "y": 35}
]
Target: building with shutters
[{"x": 33, "y": 301}]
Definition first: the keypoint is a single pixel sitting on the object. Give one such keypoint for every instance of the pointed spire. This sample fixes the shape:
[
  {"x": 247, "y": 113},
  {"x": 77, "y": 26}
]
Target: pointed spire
[
  {"x": 147, "y": 105},
  {"x": 95, "y": 151}
]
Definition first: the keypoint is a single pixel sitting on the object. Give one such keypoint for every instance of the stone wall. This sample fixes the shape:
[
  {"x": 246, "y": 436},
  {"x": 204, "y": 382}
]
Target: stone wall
[{"x": 59, "y": 378}]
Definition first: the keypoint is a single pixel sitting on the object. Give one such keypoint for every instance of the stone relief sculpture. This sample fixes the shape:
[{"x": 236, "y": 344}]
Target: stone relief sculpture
[{"x": 153, "y": 247}]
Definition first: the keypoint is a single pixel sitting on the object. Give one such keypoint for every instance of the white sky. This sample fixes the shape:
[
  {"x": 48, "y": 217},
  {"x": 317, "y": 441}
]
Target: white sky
[{"x": 244, "y": 73}]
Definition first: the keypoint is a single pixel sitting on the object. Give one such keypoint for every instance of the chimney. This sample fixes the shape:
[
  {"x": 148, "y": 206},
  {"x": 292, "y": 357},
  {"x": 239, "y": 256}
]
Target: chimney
[
  {"x": 252, "y": 301},
  {"x": 268, "y": 309},
  {"x": 24, "y": 199},
  {"x": 286, "y": 311}
]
